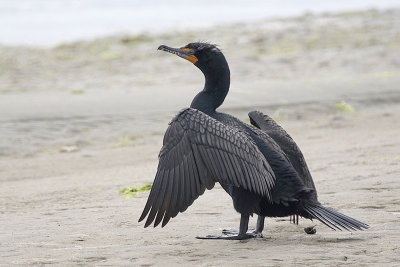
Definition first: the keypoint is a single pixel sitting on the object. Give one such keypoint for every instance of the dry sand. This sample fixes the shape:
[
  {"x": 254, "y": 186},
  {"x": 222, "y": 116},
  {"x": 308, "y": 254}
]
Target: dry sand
[{"x": 64, "y": 208}]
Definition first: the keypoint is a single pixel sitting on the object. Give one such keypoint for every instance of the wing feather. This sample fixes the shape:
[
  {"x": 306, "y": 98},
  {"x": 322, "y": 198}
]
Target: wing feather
[
  {"x": 285, "y": 143},
  {"x": 237, "y": 172},
  {"x": 157, "y": 200},
  {"x": 166, "y": 199},
  {"x": 187, "y": 188},
  {"x": 152, "y": 195},
  {"x": 229, "y": 167},
  {"x": 174, "y": 195},
  {"x": 197, "y": 152},
  {"x": 245, "y": 182},
  {"x": 179, "y": 201},
  {"x": 192, "y": 178}
]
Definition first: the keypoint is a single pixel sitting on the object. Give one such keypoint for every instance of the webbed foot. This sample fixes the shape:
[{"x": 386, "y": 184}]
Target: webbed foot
[
  {"x": 242, "y": 234},
  {"x": 255, "y": 233},
  {"x": 229, "y": 232},
  {"x": 230, "y": 237}
]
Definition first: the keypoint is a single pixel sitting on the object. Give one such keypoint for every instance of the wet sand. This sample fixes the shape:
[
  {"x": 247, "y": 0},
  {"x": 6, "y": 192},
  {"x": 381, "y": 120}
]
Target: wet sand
[{"x": 112, "y": 98}]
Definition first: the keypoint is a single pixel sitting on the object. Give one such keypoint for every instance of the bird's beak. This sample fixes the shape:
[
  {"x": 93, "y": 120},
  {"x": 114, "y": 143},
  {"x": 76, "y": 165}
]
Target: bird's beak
[{"x": 181, "y": 52}]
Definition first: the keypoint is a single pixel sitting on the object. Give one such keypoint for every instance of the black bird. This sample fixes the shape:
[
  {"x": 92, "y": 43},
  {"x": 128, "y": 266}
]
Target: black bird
[{"x": 258, "y": 165}]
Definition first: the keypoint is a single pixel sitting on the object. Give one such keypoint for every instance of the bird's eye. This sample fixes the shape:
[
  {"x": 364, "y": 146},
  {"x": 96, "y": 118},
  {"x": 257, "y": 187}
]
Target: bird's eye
[{"x": 191, "y": 52}]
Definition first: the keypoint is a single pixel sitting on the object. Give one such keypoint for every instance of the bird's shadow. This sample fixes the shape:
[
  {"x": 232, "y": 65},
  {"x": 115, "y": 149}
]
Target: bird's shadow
[
  {"x": 315, "y": 239},
  {"x": 339, "y": 240}
]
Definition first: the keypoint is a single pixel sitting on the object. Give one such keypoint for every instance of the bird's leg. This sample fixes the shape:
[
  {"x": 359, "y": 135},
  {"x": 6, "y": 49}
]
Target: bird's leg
[
  {"x": 294, "y": 219},
  {"x": 259, "y": 226},
  {"x": 244, "y": 224},
  {"x": 257, "y": 231}
]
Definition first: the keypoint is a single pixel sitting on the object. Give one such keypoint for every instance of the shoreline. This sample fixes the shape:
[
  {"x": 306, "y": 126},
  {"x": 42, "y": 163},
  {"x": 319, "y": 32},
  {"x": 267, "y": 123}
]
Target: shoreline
[{"x": 66, "y": 23}]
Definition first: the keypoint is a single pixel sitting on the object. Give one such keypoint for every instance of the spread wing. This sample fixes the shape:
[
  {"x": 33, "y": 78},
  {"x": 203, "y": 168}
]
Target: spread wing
[
  {"x": 286, "y": 143},
  {"x": 197, "y": 152}
]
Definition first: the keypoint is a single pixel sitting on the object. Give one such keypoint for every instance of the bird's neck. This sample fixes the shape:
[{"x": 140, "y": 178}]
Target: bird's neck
[{"x": 215, "y": 90}]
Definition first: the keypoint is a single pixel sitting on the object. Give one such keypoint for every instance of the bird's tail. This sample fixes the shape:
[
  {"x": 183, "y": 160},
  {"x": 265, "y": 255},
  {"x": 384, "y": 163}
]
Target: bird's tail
[{"x": 333, "y": 219}]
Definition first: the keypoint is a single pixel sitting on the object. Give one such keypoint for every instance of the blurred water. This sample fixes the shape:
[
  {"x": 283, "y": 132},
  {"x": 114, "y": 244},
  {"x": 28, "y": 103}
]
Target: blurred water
[{"x": 49, "y": 22}]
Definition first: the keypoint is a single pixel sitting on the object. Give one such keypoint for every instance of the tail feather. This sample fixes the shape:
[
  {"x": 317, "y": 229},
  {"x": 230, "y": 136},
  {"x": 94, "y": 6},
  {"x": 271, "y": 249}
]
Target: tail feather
[
  {"x": 315, "y": 215},
  {"x": 333, "y": 219}
]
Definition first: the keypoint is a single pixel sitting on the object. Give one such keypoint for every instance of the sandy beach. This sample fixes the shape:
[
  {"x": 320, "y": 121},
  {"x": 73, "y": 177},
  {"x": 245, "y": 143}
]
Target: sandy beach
[{"x": 80, "y": 121}]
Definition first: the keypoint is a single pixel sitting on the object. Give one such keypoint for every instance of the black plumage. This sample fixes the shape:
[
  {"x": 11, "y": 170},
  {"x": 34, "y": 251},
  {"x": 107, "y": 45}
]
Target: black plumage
[{"x": 258, "y": 165}]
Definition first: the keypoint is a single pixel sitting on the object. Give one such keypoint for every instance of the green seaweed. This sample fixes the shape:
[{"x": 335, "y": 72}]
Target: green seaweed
[
  {"x": 77, "y": 92},
  {"x": 126, "y": 141},
  {"x": 110, "y": 55},
  {"x": 343, "y": 106},
  {"x": 384, "y": 74},
  {"x": 130, "y": 192}
]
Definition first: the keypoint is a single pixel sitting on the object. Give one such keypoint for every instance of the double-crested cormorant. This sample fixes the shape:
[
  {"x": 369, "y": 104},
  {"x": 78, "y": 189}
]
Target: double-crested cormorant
[{"x": 258, "y": 165}]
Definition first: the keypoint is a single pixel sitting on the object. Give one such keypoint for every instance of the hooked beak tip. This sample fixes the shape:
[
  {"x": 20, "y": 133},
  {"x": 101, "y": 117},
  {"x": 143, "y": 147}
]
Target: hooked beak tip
[{"x": 161, "y": 47}]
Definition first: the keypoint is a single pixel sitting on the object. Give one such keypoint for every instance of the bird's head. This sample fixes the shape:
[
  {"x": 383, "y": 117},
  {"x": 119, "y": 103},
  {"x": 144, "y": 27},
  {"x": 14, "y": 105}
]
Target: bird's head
[{"x": 207, "y": 57}]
